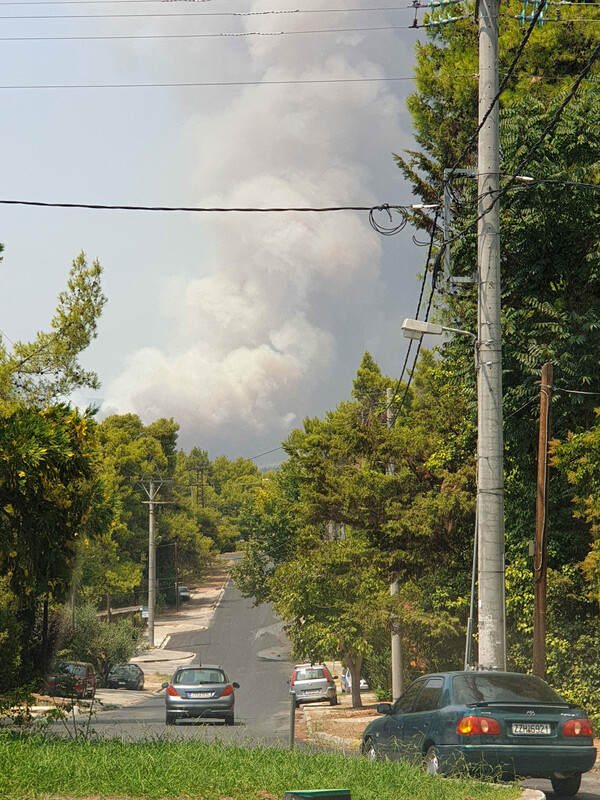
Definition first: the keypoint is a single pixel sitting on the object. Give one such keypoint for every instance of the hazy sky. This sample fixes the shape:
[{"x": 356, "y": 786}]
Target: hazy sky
[{"x": 237, "y": 325}]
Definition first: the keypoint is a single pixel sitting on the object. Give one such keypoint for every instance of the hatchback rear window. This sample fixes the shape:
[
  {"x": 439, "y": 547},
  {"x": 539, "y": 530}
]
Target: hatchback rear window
[
  {"x": 491, "y": 688},
  {"x": 194, "y": 676},
  {"x": 314, "y": 673}
]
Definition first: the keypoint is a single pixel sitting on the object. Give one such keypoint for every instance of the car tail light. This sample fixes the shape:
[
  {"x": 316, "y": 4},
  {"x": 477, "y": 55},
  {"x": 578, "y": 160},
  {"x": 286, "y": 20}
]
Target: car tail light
[
  {"x": 478, "y": 726},
  {"x": 578, "y": 727},
  {"x": 293, "y": 678},
  {"x": 227, "y": 691},
  {"x": 172, "y": 691}
]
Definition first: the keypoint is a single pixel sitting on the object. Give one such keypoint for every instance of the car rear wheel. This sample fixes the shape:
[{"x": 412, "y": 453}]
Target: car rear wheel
[
  {"x": 333, "y": 701},
  {"x": 566, "y": 787},
  {"x": 431, "y": 762},
  {"x": 170, "y": 719},
  {"x": 230, "y": 719}
]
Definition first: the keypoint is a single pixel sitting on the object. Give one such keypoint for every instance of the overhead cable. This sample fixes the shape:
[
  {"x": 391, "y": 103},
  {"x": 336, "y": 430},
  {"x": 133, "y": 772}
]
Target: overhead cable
[
  {"x": 201, "y": 209},
  {"x": 519, "y": 171},
  {"x": 212, "y": 13},
  {"x": 227, "y": 35},
  {"x": 184, "y": 84}
]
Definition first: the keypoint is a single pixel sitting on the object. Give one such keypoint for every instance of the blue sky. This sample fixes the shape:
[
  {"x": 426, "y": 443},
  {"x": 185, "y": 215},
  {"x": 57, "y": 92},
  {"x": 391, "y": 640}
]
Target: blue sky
[{"x": 238, "y": 326}]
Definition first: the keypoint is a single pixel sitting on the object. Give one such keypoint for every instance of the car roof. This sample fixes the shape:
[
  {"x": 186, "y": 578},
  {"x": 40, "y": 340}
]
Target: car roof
[{"x": 452, "y": 673}]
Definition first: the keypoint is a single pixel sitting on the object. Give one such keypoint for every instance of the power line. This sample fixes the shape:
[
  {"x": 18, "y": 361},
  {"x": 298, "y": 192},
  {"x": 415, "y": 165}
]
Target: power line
[
  {"x": 190, "y": 13},
  {"x": 234, "y": 35},
  {"x": 501, "y": 88},
  {"x": 532, "y": 150},
  {"x": 74, "y": 2},
  {"x": 184, "y": 84},
  {"x": 266, "y": 453},
  {"x": 98, "y": 206}
]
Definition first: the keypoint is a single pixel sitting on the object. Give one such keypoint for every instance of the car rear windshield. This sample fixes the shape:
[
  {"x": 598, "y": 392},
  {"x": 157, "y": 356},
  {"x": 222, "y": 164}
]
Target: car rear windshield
[
  {"x": 194, "y": 676},
  {"x": 126, "y": 669},
  {"x": 72, "y": 669},
  {"x": 491, "y": 688},
  {"x": 311, "y": 674}
]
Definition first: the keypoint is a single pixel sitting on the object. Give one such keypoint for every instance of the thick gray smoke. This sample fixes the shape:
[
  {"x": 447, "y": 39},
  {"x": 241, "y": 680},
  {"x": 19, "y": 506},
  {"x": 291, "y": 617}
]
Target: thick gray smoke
[{"x": 259, "y": 333}]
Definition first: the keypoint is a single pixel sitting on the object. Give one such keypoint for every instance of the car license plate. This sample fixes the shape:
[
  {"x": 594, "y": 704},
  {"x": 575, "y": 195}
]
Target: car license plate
[
  {"x": 200, "y": 694},
  {"x": 531, "y": 728},
  {"x": 312, "y": 691}
]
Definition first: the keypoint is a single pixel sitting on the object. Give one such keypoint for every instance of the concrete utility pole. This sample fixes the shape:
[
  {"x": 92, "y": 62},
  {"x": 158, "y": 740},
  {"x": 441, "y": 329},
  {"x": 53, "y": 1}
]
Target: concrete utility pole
[
  {"x": 491, "y": 587},
  {"x": 395, "y": 586},
  {"x": 151, "y": 563},
  {"x": 151, "y": 490},
  {"x": 541, "y": 527}
]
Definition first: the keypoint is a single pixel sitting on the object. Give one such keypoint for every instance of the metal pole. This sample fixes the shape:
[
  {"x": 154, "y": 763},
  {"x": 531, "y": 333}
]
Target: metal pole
[
  {"x": 176, "y": 557},
  {"x": 396, "y": 642},
  {"x": 541, "y": 527},
  {"x": 151, "y": 565},
  {"x": 492, "y": 615},
  {"x": 292, "y": 719}
]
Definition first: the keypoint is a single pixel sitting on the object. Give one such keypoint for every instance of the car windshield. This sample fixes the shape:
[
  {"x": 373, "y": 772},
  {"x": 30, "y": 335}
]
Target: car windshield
[
  {"x": 310, "y": 674},
  {"x": 502, "y": 688},
  {"x": 72, "y": 669},
  {"x": 194, "y": 676},
  {"x": 126, "y": 669}
]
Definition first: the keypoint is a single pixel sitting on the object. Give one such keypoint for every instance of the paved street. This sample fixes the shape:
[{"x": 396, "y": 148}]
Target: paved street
[{"x": 249, "y": 642}]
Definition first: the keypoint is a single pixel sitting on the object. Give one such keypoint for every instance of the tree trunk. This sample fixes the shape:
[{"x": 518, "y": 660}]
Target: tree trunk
[
  {"x": 42, "y": 665},
  {"x": 355, "y": 667}
]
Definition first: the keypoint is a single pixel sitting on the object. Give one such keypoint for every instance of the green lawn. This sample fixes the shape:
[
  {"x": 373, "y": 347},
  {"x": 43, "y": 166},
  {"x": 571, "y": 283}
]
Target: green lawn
[{"x": 34, "y": 767}]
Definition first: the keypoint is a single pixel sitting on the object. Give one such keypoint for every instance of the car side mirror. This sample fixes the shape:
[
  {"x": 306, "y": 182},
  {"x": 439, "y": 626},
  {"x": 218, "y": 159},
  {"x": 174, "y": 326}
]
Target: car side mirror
[
  {"x": 164, "y": 685},
  {"x": 235, "y": 685},
  {"x": 335, "y": 677},
  {"x": 384, "y": 708},
  {"x": 289, "y": 682}
]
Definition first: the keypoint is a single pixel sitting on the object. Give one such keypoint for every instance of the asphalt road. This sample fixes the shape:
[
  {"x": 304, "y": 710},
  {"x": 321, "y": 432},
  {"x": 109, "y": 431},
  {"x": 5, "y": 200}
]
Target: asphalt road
[
  {"x": 590, "y": 787},
  {"x": 250, "y": 644}
]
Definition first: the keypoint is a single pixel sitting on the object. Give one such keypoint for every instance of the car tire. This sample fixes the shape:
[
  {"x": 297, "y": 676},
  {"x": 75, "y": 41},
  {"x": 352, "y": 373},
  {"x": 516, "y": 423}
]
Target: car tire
[
  {"x": 431, "y": 761},
  {"x": 170, "y": 719},
  {"x": 369, "y": 751},
  {"x": 333, "y": 701},
  {"x": 230, "y": 719},
  {"x": 566, "y": 787}
]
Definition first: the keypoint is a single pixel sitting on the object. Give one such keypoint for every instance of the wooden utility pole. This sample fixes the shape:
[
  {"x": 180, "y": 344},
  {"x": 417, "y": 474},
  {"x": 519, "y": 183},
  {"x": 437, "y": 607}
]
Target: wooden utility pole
[{"x": 541, "y": 527}]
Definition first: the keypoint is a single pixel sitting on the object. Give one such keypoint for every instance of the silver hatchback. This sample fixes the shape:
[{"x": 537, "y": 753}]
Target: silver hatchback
[
  {"x": 313, "y": 683},
  {"x": 200, "y": 691}
]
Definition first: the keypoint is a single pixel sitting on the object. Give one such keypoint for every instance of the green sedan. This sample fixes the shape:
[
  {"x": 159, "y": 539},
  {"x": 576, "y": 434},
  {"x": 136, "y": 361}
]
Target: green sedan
[{"x": 502, "y": 724}]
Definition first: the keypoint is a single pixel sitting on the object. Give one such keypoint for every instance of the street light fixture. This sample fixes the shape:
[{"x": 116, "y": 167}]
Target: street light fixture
[
  {"x": 491, "y": 607},
  {"x": 415, "y": 328}
]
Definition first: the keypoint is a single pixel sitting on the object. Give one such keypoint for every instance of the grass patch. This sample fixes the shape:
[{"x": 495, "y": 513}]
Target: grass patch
[{"x": 33, "y": 766}]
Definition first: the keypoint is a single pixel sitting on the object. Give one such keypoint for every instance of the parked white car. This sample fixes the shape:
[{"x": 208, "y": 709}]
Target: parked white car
[{"x": 346, "y": 682}]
